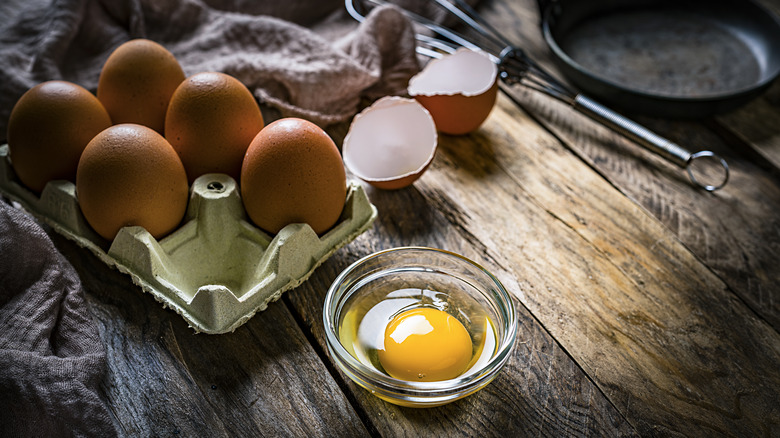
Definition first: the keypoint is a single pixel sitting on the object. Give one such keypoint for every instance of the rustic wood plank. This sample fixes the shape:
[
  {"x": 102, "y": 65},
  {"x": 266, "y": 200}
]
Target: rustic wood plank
[
  {"x": 756, "y": 125},
  {"x": 163, "y": 379},
  {"x": 540, "y": 392},
  {"x": 735, "y": 231},
  {"x": 629, "y": 318},
  {"x": 661, "y": 335}
]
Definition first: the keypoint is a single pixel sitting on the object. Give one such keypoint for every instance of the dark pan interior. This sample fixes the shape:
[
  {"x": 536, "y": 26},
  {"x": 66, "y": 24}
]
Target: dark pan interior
[{"x": 666, "y": 57}]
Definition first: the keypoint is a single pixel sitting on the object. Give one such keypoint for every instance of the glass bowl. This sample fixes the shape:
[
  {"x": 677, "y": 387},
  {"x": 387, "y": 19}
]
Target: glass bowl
[{"x": 367, "y": 294}]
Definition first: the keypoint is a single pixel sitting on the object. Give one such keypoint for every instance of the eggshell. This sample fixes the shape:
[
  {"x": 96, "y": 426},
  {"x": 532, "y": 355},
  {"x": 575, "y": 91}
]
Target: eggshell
[
  {"x": 459, "y": 90},
  {"x": 137, "y": 81},
  {"x": 49, "y": 127},
  {"x": 293, "y": 173},
  {"x": 130, "y": 175},
  {"x": 391, "y": 143}
]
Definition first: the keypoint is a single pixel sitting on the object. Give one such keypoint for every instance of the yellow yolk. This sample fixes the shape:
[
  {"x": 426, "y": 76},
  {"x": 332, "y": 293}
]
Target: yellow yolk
[{"x": 425, "y": 344}]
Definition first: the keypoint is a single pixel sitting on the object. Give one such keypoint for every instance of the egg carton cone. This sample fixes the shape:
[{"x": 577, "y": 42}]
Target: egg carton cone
[{"x": 217, "y": 270}]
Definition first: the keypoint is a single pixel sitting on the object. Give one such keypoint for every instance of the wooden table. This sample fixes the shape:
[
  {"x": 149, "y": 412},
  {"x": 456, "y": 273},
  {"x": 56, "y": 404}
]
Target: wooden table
[{"x": 646, "y": 306}]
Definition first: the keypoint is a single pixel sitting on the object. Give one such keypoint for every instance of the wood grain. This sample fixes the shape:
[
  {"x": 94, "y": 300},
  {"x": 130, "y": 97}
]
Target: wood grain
[
  {"x": 646, "y": 307},
  {"x": 540, "y": 392},
  {"x": 646, "y": 320},
  {"x": 735, "y": 231},
  {"x": 756, "y": 126},
  {"x": 164, "y": 380}
]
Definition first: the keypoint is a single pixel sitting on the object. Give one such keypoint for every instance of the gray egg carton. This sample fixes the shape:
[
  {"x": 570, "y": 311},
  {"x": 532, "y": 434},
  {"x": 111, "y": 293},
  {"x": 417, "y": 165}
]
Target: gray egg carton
[{"x": 217, "y": 270}]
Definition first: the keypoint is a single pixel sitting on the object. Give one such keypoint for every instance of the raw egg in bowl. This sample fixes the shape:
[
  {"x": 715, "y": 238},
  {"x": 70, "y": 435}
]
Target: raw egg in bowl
[{"x": 419, "y": 327}]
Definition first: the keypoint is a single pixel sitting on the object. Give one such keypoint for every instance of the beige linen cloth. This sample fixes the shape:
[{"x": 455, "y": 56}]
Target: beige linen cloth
[
  {"x": 52, "y": 362},
  {"x": 319, "y": 72}
]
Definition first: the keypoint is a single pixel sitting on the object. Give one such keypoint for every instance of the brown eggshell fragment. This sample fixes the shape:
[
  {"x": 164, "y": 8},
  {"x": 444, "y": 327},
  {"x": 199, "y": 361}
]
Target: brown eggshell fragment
[
  {"x": 458, "y": 89},
  {"x": 49, "y": 127},
  {"x": 293, "y": 173},
  {"x": 391, "y": 143},
  {"x": 130, "y": 175}
]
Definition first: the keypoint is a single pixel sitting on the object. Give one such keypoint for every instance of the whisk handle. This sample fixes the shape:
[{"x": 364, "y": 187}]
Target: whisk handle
[
  {"x": 652, "y": 141},
  {"x": 627, "y": 127}
]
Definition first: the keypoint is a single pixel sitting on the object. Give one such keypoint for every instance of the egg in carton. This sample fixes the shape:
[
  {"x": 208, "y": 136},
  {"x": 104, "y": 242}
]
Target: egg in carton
[{"x": 217, "y": 269}]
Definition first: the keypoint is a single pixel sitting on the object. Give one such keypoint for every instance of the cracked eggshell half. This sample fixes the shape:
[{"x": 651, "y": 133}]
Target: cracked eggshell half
[
  {"x": 390, "y": 143},
  {"x": 458, "y": 89}
]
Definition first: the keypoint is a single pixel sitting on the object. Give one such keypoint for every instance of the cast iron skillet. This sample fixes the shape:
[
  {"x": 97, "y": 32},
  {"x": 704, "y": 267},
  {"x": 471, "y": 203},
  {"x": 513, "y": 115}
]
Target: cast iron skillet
[{"x": 667, "y": 58}]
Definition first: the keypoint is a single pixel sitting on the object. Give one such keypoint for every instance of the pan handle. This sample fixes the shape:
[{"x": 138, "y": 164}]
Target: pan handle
[{"x": 652, "y": 141}]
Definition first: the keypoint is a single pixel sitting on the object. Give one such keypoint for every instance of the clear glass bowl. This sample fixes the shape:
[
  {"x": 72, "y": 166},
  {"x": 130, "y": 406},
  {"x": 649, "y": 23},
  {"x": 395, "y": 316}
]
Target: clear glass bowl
[{"x": 454, "y": 283}]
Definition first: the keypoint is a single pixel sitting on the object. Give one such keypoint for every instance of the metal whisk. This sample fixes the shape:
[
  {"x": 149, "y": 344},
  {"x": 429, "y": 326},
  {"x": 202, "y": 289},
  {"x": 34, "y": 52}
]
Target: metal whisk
[{"x": 516, "y": 67}]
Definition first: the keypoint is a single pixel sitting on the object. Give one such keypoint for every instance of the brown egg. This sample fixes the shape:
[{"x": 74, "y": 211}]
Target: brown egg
[
  {"x": 130, "y": 175},
  {"x": 48, "y": 129},
  {"x": 211, "y": 120},
  {"x": 293, "y": 173},
  {"x": 458, "y": 89},
  {"x": 137, "y": 81}
]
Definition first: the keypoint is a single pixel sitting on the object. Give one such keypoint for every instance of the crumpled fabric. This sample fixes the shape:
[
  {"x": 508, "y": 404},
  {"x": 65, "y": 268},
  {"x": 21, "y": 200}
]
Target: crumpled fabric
[
  {"x": 51, "y": 357},
  {"x": 286, "y": 66}
]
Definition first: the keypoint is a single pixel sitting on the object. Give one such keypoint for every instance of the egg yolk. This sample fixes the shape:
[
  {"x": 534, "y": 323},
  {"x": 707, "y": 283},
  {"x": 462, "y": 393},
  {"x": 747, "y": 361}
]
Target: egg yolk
[{"x": 425, "y": 344}]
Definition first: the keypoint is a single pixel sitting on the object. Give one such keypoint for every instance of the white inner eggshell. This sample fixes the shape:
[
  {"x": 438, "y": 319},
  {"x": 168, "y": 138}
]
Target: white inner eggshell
[
  {"x": 392, "y": 138},
  {"x": 466, "y": 72}
]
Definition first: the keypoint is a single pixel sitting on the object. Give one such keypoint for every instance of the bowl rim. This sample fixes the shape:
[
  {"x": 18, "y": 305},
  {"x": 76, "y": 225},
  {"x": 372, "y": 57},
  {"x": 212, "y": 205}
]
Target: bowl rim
[{"x": 422, "y": 392}]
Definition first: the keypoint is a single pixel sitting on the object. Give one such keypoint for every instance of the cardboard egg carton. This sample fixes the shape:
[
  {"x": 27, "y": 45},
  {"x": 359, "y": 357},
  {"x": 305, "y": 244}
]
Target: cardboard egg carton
[{"x": 217, "y": 270}]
